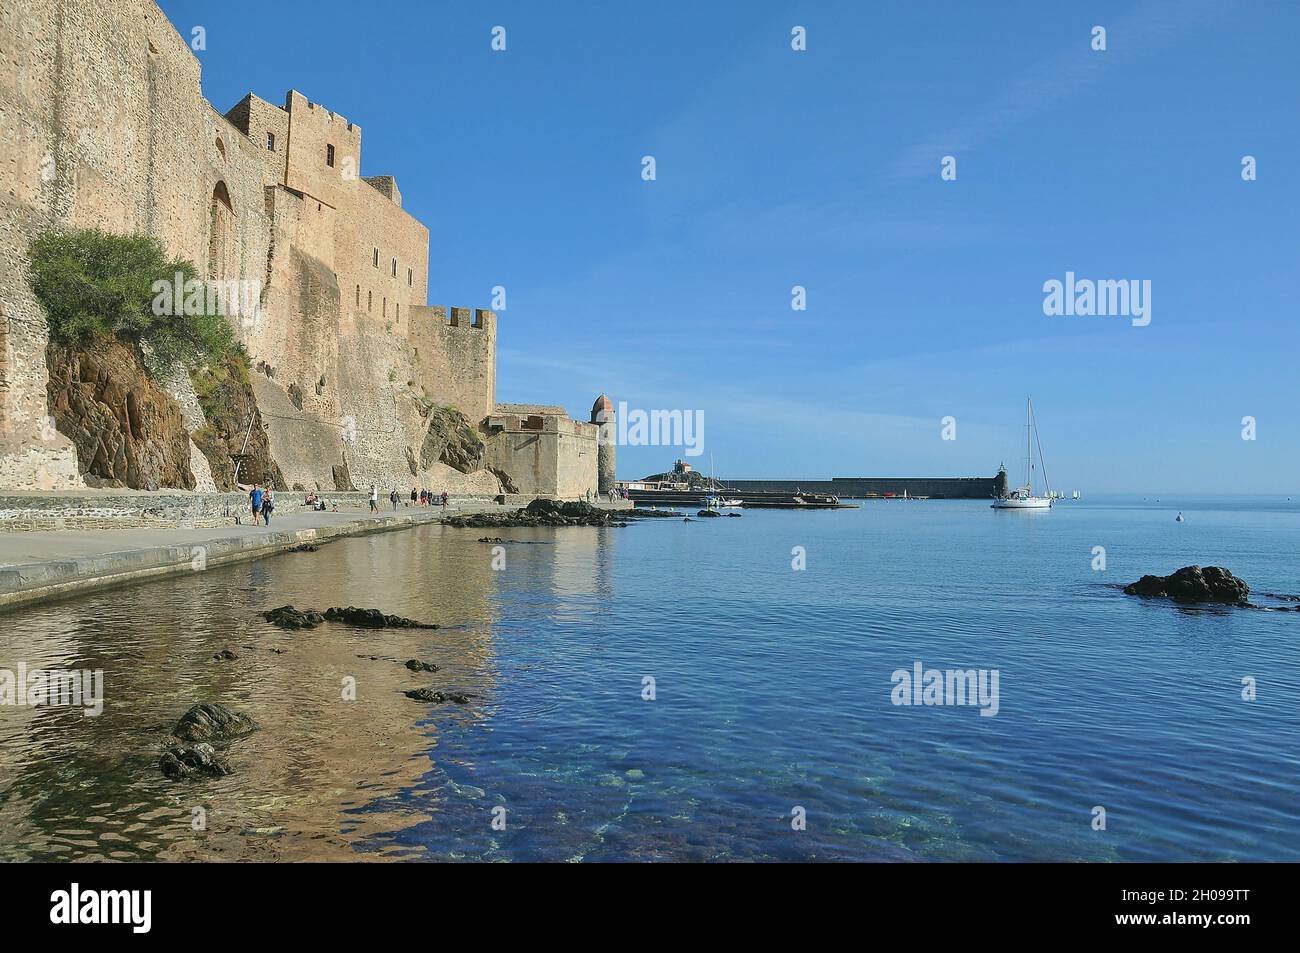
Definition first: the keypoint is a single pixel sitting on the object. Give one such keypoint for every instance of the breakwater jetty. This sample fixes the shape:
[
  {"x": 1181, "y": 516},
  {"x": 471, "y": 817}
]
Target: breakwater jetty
[{"x": 962, "y": 488}]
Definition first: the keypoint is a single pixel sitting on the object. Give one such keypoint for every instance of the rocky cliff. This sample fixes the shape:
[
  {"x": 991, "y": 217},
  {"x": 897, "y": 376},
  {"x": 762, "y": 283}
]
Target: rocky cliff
[{"x": 127, "y": 430}]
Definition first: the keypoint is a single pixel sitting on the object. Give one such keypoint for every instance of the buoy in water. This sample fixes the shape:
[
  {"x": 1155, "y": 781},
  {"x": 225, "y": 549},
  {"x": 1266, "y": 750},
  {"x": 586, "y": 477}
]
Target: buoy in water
[{"x": 1178, "y": 518}]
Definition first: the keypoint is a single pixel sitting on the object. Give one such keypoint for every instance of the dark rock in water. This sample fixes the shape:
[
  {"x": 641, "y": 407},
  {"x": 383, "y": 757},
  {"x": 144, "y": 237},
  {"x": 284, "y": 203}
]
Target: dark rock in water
[
  {"x": 225, "y": 655},
  {"x": 373, "y": 619},
  {"x": 735, "y": 515},
  {"x": 491, "y": 539},
  {"x": 287, "y": 617},
  {"x": 1194, "y": 584},
  {"x": 708, "y": 513},
  {"x": 542, "y": 512},
  {"x": 415, "y": 665},
  {"x": 305, "y": 548},
  {"x": 429, "y": 695},
  {"x": 182, "y": 762},
  {"x": 212, "y": 722}
]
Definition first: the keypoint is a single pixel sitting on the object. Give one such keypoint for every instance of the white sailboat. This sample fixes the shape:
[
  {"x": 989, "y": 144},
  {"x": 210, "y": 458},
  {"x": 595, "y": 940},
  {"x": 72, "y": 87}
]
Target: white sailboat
[
  {"x": 710, "y": 498},
  {"x": 1023, "y": 498}
]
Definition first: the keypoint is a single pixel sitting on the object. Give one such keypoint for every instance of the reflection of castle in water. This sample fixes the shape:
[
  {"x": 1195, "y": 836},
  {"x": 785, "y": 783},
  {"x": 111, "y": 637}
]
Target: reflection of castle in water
[{"x": 322, "y": 771}]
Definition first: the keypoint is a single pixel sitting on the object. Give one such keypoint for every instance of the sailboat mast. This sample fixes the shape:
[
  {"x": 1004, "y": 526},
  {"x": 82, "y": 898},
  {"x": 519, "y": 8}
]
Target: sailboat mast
[
  {"x": 1042, "y": 462},
  {"x": 1029, "y": 454}
]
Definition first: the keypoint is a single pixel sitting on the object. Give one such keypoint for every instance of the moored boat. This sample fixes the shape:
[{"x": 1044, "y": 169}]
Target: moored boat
[{"x": 1023, "y": 498}]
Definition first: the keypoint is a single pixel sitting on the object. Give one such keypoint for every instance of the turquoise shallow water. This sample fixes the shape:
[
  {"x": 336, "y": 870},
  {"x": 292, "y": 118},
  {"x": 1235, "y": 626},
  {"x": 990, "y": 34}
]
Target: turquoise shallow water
[{"x": 772, "y": 691}]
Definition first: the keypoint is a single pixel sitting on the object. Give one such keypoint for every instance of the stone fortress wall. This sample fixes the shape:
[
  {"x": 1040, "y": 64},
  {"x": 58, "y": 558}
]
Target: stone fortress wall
[{"x": 104, "y": 124}]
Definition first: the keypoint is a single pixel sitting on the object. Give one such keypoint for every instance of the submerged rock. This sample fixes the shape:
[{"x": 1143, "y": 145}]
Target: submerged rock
[
  {"x": 415, "y": 665},
  {"x": 542, "y": 512},
  {"x": 430, "y": 695},
  {"x": 287, "y": 617},
  {"x": 212, "y": 722},
  {"x": 373, "y": 619},
  {"x": 1194, "y": 584},
  {"x": 180, "y": 762},
  {"x": 225, "y": 655}
]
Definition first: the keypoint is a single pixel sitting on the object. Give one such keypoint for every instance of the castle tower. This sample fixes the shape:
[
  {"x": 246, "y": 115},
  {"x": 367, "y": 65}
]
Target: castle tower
[{"x": 602, "y": 414}]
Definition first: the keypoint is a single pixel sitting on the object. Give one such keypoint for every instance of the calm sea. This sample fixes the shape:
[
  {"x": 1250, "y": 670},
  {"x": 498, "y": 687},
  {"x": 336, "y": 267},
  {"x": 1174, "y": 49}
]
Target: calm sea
[{"x": 679, "y": 691}]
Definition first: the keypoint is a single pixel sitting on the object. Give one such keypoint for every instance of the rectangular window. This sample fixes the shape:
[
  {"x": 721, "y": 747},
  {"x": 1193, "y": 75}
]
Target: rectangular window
[
  {"x": 408, "y": 276},
  {"x": 270, "y": 141},
  {"x": 385, "y": 311},
  {"x": 370, "y": 301},
  {"x": 394, "y": 267},
  {"x": 329, "y": 156},
  {"x": 376, "y": 258},
  {"x": 358, "y": 296}
]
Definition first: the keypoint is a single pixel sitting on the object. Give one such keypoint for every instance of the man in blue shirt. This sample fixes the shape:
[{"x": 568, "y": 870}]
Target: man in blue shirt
[{"x": 255, "y": 498}]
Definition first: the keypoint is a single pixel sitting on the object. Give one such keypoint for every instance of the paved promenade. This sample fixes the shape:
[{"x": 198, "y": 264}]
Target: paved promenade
[{"x": 40, "y": 565}]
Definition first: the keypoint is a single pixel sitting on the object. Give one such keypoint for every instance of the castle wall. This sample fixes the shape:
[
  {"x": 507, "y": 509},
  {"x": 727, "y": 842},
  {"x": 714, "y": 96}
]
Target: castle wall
[
  {"x": 555, "y": 457},
  {"x": 104, "y": 125},
  {"x": 455, "y": 358}
]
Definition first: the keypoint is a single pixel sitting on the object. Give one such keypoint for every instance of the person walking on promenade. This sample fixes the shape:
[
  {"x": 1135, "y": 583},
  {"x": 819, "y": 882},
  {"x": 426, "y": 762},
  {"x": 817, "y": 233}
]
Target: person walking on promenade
[
  {"x": 444, "y": 497},
  {"x": 392, "y": 498},
  {"x": 374, "y": 499},
  {"x": 255, "y": 500},
  {"x": 268, "y": 504},
  {"x": 414, "y": 496}
]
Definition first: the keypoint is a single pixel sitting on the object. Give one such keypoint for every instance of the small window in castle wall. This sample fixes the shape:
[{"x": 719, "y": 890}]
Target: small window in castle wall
[
  {"x": 370, "y": 300},
  {"x": 394, "y": 267},
  {"x": 409, "y": 277},
  {"x": 329, "y": 156},
  {"x": 270, "y": 141},
  {"x": 385, "y": 311},
  {"x": 376, "y": 258}
]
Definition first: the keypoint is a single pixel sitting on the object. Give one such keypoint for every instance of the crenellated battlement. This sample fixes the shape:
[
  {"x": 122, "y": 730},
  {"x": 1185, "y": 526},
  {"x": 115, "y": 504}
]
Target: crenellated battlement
[
  {"x": 330, "y": 116},
  {"x": 455, "y": 356},
  {"x": 425, "y": 316}
]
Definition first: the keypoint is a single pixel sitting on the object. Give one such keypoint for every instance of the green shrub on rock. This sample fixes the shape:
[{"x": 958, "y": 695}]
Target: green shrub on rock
[{"x": 97, "y": 286}]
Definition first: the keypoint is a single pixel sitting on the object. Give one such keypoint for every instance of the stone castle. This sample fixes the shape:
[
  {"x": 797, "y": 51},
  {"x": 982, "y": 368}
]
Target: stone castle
[{"x": 105, "y": 126}]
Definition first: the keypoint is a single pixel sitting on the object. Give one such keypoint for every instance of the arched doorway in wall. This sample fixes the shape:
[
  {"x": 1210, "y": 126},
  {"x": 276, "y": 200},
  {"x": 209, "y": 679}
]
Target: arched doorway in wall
[{"x": 223, "y": 249}]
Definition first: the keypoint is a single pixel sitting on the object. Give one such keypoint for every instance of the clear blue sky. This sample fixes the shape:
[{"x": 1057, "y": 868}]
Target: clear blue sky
[{"x": 821, "y": 169}]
